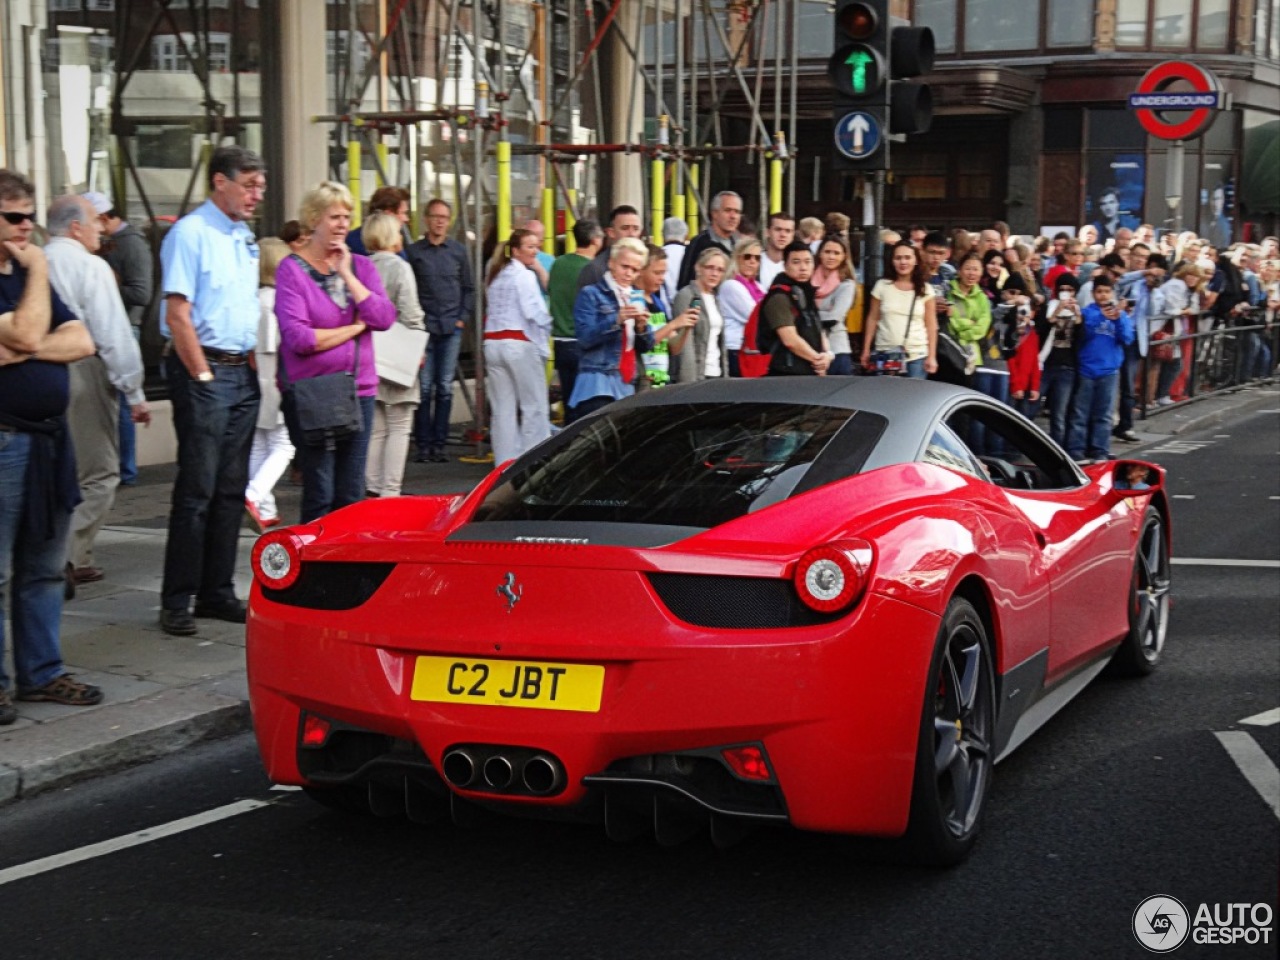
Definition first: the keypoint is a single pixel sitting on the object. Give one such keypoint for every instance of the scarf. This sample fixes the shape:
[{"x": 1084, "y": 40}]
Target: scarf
[{"x": 823, "y": 283}]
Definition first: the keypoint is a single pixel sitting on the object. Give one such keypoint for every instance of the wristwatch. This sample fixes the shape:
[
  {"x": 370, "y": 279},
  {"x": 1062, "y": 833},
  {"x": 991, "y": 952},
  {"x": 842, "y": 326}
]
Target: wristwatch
[{"x": 205, "y": 377}]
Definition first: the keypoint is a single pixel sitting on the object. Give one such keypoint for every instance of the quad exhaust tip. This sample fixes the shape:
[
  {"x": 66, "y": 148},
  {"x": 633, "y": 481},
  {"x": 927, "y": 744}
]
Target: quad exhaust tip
[{"x": 505, "y": 770}]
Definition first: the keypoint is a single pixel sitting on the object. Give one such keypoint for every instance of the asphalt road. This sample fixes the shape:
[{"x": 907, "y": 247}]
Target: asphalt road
[{"x": 1127, "y": 794}]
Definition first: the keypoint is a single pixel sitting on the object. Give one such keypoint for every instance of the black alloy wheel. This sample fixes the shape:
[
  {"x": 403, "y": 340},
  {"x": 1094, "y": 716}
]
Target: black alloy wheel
[
  {"x": 1139, "y": 653},
  {"x": 954, "y": 756}
]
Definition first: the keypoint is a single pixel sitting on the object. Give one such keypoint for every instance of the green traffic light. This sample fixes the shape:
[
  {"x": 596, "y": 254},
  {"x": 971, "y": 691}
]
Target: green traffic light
[{"x": 859, "y": 60}]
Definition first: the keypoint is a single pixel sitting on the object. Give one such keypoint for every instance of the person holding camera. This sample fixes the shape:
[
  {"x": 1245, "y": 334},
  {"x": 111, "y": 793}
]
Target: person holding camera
[
  {"x": 702, "y": 352},
  {"x": 902, "y": 323},
  {"x": 1106, "y": 330},
  {"x": 1058, "y": 331}
]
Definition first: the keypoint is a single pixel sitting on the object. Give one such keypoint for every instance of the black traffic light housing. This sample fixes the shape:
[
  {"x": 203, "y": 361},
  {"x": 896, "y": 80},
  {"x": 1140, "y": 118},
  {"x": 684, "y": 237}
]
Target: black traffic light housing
[{"x": 871, "y": 56}]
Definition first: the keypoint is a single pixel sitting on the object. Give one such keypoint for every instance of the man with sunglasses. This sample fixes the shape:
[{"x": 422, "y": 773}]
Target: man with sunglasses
[
  {"x": 209, "y": 264},
  {"x": 39, "y": 336}
]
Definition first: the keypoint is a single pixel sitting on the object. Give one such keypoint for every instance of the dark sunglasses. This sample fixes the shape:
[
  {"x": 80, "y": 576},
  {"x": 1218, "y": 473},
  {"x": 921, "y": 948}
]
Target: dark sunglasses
[
  {"x": 749, "y": 256},
  {"x": 15, "y": 218}
]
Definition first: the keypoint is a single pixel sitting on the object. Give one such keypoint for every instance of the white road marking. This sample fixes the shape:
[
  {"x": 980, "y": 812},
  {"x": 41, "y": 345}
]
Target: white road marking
[
  {"x": 1254, "y": 764},
  {"x": 1181, "y": 446},
  {"x": 1266, "y": 718},
  {"x": 285, "y": 788},
  {"x": 1206, "y": 562},
  {"x": 1184, "y": 496},
  {"x": 36, "y": 867}
]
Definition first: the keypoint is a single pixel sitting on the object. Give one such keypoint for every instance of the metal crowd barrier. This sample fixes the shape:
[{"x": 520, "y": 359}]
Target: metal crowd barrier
[{"x": 1229, "y": 354}]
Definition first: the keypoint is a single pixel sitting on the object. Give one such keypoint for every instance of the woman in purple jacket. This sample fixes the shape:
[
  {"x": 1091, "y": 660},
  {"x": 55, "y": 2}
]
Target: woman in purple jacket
[{"x": 327, "y": 302}]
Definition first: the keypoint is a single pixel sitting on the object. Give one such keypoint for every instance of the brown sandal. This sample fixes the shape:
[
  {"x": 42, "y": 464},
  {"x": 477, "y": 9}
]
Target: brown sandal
[{"x": 64, "y": 690}]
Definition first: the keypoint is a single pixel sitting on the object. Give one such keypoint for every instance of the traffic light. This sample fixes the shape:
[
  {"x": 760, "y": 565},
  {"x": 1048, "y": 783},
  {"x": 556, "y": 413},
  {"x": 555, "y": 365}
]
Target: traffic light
[
  {"x": 859, "y": 70},
  {"x": 910, "y": 55},
  {"x": 872, "y": 57}
]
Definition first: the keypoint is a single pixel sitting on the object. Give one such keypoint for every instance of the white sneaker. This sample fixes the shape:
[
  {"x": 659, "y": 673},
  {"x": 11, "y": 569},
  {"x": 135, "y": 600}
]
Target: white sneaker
[{"x": 1164, "y": 401}]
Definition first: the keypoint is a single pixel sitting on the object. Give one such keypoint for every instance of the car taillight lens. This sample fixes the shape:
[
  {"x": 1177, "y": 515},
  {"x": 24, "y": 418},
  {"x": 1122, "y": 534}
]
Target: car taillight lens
[
  {"x": 277, "y": 556},
  {"x": 832, "y": 577},
  {"x": 747, "y": 762}
]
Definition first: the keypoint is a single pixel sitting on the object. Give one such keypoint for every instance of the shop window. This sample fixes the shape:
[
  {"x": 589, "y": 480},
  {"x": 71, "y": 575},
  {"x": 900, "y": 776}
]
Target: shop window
[
  {"x": 1000, "y": 25},
  {"x": 1062, "y": 128},
  {"x": 1173, "y": 24},
  {"x": 168, "y": 52},
  {"x": 975, "y": 178},
  {"x": 1115, "y": 129},
  {"x": 940, "y": 15},
  {"x": 1070, "y": 23},
  {"x": 919, "y": 176}
]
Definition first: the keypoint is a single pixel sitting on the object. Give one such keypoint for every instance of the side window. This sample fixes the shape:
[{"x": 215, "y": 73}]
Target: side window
[
  {"x": 1012, "y": 453},
  {"x": 945, "y": 449}
]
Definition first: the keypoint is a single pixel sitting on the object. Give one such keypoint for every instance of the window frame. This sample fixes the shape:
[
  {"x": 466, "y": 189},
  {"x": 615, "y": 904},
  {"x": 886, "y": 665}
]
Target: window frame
[{"x": 1193, "y": 46}]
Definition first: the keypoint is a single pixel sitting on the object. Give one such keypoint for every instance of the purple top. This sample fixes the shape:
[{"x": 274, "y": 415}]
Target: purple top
[{"x": 303, "y": 307}]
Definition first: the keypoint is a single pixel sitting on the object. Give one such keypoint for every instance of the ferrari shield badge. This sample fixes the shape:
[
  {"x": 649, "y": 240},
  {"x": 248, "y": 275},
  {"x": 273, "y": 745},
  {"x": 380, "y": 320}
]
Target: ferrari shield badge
[{"x": 510, "y": 591}]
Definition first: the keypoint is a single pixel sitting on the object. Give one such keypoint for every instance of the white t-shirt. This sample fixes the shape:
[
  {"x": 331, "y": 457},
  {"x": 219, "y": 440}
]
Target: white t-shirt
[
  {"x": 892, "y": 330},
  {"x": 768, "y": 271},
  {"x": 712, "y": 311}
]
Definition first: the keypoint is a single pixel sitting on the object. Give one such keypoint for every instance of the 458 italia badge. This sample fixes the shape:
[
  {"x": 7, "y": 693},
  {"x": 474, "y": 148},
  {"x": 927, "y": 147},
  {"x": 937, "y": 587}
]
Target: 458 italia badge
[{"x": 510, "y": 591}]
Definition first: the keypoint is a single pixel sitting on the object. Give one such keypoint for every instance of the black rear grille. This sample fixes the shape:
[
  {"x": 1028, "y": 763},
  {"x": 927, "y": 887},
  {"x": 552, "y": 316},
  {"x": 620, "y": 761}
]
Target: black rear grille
[
  {"x": 734, "y": 603},
  {"x": 332, "y": 586}
]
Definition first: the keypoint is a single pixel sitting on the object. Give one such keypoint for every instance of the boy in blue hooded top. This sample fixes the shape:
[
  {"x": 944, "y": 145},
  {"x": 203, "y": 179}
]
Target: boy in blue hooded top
[{"x": 1107, "y": 329}]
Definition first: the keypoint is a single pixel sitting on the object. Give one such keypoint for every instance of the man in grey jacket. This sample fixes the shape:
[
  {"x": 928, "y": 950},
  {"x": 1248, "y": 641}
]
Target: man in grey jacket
[
  {"x": 84, "y": 283},
  {"x": 129, "y": 254}
]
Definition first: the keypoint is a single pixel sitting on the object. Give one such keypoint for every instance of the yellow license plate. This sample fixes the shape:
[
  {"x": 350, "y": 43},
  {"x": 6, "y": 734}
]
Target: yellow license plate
[{"x": 509, "y": 683}]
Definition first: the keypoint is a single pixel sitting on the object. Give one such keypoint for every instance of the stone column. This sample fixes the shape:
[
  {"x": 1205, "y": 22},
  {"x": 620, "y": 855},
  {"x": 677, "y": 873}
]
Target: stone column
[
  {"x": 627, "y": 170},
  {"x": 305, "y": 146}
]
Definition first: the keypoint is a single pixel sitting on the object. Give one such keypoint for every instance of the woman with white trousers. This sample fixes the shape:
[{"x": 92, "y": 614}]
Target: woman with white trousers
[{"x": 517, "y": 345}]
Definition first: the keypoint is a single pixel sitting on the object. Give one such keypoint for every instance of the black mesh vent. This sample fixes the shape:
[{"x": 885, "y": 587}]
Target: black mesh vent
[
  {"x": 332, "y": 586},
  {"x": 734, "y": 603}
]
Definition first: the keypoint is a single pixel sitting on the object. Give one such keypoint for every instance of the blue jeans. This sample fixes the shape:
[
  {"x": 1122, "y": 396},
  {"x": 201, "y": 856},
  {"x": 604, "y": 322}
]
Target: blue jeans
[
  {"x": 128, "y": 438},
  {"x": 431, "y": 421},
  {"x": 996, "y": 386},
  {"x": 1091, "y": 417},
  {"x": 331, "y": 479},
  {"x": 842, "y": 366},
  {"x": 1056, "y": 387},
  {"x": 915, "y": 369},
  {"x": 214, "y": 422},
  {"x": 1128, "y": 374},
  {"x": 566, "y": 360},
  {"x": 35, "y": 581}
]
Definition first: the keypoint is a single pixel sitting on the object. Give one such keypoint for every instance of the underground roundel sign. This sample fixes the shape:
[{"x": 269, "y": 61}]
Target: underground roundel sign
[{"x": 1176, "y": 114}]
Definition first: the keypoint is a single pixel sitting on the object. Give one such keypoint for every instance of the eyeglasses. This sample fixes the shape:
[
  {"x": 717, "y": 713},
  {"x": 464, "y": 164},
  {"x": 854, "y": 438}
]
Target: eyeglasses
[
  {"x": 749, "y": 256},
  {"x": 16, "y": 217}
]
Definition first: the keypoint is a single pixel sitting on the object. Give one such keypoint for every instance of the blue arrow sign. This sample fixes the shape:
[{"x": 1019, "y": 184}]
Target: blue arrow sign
[{"x": 858, "y": 135}]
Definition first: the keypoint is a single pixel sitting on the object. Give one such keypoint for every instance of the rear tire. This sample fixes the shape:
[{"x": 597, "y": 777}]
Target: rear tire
[
  {"x": 1139, "y": 652},
  {"x": 954, "y": 753}
]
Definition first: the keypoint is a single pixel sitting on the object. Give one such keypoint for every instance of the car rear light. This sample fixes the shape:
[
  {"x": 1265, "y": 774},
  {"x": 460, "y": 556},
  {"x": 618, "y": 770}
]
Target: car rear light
[
  {"x": 832, "y": 577},
  {"x": 315, "y": 730},
  {"x": 277, "y": 556},
  {"x": 747, "y": 762}
]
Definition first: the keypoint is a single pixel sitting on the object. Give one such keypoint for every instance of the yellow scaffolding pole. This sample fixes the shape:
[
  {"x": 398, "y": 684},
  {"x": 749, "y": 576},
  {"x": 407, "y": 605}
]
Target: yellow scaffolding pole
[
  {"x": 657, "y": 212},
  {"x": 570, "y": 245},
  {"x": 691, "y": 198},
  {"x": 383, "y": 156},
  {"x": 504, "y": 190},
  {"x": 353, "y": 178},
  {"x": 549, "y": 220}
]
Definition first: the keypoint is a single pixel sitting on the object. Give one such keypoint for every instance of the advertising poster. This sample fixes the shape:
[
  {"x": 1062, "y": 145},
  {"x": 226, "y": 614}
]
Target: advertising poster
[
  {"x": 1114, "y": 192},
  {"x": 1217, "y": 200}
]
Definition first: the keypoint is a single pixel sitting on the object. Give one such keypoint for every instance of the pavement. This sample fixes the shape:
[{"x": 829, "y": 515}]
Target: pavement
[{"x": 165, "y": 693}]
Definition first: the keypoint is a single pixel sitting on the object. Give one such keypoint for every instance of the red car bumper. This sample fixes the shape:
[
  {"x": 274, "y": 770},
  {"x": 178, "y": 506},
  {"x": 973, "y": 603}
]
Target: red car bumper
[{"x": 836, "y": 707}]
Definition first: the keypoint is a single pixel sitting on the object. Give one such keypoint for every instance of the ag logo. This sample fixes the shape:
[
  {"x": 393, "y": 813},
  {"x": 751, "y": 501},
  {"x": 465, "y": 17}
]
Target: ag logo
[{"x": 1161, "y": 923}]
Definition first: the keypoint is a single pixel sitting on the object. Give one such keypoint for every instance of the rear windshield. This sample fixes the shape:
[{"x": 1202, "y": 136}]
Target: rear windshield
[{"x": 691, "y": 465}]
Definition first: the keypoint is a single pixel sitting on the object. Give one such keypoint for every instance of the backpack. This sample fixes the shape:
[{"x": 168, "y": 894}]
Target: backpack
[{"x": 758, "y": 343}]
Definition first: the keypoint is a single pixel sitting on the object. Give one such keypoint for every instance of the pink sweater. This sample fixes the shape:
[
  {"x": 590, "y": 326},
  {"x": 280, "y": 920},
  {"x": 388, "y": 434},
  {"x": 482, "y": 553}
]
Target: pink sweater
[{"x": 302, "y": 308}]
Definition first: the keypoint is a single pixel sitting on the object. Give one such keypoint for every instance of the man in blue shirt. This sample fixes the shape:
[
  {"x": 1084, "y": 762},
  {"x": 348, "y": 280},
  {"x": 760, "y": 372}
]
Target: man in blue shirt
[
  {"x": 447, "y": 293},
  {"x": 210, "y": 308},
  {"x": 39, "y": 336}
]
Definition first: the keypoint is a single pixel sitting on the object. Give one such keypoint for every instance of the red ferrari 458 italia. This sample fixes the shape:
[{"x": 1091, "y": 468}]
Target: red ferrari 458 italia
[{"x": 834, "y": 603}]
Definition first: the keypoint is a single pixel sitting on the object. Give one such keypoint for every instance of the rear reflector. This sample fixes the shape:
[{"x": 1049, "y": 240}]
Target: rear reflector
[
  {"x": 315, "y": 730},
  {"x": 747, "y": 762}
]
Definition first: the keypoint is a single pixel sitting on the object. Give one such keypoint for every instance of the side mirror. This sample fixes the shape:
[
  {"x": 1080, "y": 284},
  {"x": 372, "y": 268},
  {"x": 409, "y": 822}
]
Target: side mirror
[{"x": 1137, "y": 476}]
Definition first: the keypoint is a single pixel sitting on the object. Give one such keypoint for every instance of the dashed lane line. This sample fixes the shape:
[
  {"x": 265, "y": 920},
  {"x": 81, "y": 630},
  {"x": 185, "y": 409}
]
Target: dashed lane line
[
  {"x": 36, "y": 867},
  {"x": 1254, "y": 763},
  {"x": 1214, "y": 562}
]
